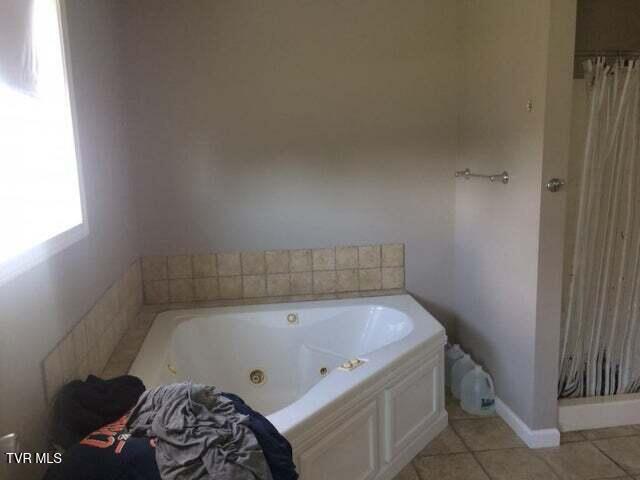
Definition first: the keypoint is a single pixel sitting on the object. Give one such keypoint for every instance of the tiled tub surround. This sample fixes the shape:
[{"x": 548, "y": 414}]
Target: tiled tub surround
[
  {"x": 90, "y": 343},
  {"x": 272, "y": 273}
]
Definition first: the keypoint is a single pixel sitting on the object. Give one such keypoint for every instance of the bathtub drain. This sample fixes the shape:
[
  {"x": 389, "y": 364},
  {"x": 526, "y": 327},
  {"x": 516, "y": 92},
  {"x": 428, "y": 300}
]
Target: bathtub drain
[{"x": 257, "y": 377}]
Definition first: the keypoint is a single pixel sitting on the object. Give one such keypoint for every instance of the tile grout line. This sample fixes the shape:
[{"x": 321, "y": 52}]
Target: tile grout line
[
  {"x": 609, "y": 457},
  {"x": 473, "y": 455}
]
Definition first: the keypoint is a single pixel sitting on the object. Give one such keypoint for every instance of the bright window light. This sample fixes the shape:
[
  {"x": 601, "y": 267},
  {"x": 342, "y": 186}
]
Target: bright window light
[{"x": 40, "y": 190}]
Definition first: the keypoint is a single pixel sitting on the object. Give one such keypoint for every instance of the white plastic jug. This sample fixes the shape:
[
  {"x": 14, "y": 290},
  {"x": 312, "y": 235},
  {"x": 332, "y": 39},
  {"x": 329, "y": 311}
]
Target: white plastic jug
[
  {"x": 458, "y": 371},
  {"x": 451, "y": 356},
  {"x": 477, "y": 395}
]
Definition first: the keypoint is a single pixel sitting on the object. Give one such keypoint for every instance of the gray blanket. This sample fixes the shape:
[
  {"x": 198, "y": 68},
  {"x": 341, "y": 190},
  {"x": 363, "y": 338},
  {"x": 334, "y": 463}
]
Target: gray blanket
[{"x": 199, "y": 434}]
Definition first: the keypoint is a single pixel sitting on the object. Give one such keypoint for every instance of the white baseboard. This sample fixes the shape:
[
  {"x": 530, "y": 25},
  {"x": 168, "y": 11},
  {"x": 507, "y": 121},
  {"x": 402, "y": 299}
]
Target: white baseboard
[
  {"x": 599, "y": 412},
  {"x": 547, "y": 437}
]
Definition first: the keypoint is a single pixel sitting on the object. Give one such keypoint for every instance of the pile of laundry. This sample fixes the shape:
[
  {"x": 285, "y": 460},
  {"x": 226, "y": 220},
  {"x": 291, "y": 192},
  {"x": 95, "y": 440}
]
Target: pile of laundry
[{"x": 115, "y": 429}]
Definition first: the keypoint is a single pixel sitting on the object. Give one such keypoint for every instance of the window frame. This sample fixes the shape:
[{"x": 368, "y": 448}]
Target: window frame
[{"x": 43, "y": 251}]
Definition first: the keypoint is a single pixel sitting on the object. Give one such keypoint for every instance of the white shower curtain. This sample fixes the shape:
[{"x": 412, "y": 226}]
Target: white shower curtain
[{"x": 600, "y": 346}]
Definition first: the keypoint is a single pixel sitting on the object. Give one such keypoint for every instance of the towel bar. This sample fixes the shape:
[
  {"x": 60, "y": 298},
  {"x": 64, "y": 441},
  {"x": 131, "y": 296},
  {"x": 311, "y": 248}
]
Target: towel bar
[{"x": 466, "y": 173}]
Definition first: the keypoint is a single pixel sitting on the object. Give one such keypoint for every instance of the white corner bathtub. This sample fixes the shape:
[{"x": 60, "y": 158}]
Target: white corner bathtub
[{"x": 353, "y": 424}]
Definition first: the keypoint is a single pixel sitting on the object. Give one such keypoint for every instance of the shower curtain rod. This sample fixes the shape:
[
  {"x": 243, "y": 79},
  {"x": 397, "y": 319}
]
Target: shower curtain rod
[{"x": 608, "y": 53}]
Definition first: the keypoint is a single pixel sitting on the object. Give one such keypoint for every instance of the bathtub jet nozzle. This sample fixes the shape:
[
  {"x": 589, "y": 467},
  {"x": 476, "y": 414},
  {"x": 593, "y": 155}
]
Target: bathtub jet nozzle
[{"x": 257, "y": 377}]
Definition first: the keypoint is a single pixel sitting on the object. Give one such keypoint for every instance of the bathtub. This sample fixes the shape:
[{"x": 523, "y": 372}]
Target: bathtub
[{"x": 355, "y": 385}]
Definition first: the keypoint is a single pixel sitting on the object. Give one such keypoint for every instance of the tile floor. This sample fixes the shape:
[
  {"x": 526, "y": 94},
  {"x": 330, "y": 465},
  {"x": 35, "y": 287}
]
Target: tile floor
[{"x": 481, "y": 448}]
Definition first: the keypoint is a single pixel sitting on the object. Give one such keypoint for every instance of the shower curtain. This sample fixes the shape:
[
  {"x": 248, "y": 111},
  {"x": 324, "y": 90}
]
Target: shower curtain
[{"x": 600, "y": 343}]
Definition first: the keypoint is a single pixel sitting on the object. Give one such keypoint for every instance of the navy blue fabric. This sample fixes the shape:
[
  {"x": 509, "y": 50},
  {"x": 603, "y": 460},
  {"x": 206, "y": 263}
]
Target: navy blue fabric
[
  {"x": 83, "y": 407},
  {"x": 277, "y": 450},
  {"x": 110, "y": 453}
]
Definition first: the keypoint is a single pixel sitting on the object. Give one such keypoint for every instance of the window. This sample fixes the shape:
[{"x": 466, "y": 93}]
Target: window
[{"x": 41, "y": 201}]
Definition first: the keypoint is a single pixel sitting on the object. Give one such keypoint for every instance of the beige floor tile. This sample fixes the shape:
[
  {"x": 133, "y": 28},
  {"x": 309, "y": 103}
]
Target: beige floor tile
[
  {"x": 625, "y": 451},
  {"x": 515, "y": 464},
  {"x": 570, "y": 437},
  {"x": 447, "y": 442},
  {"x": 579, "y": 461},
  {"x": 459, "y": 466},
  {"x": 612, "y": 432},
  {"x": 407, "y": 473},
  {"x": 486, "y": 434}
]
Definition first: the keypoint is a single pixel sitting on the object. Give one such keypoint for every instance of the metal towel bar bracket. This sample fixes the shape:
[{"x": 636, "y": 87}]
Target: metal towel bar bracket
[{"x": 466, "y": 174}]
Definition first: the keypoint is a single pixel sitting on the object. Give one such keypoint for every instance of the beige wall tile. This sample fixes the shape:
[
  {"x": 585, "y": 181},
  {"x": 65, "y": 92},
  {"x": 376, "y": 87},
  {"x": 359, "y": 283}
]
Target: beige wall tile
[
  {"x": 93, "y": 360},
  {"x": 253, "y": 263},
  {"x": 392, "y": 277},
  {"x": 346, "y": 257},
  {"x": 370, "y": 278},
  {"x": 205, "y": 288},
  {"x": 68, "y": 358},
  {"x": 230, "y": 287},
  {"x": 228, "y": 264},
  {"x": 116, "y": 296},
  {"x": 154, "y": 268},
  {"x": 204, "y": 265},
  {"x": 120, "y": 323},
  {"x": 53, "y": 375},
  {"x": 109, "y": 303},
  {"x": 393, "y": 255},
  {"x": 80, "y": 339},
  {"x": 133, "y": 277},
  {"x": 105, "y": 349},
  {"x": 277, "y": 261},
  {"x": 300, "y": 260},
  {"x": 278, "y": 284},
  {"x": 347, "y": 280},
  {"x": 179, "y": 266},
  {"x": 133, "y": 307},
  {"x": 93, "y": 323},
  {"x": 83, "y": 368},
  {"x": 181, "y": 290},
  {"x": 324, "y": 281},
  {"x": 156, "y": 291},
  {"x": 254, "y": 286},
  {"x": 301, "y": 283},
  {"x": 324, "y": 259},
  {"x": 369, "y": 256}
]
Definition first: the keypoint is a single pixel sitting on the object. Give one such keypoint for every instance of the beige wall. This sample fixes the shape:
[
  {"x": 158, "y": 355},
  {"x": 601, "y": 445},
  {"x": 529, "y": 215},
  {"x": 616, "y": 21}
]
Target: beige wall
[
  {"x": 39, "y": 307},
  {"x": 497, "y": 227},
  {"x": 307, "y": 124},
  {"x": 288, "y": 124},
  {"x": 557, "y": 130}
]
